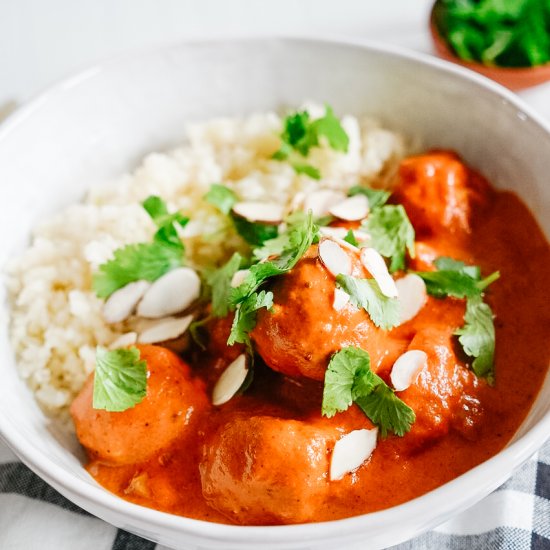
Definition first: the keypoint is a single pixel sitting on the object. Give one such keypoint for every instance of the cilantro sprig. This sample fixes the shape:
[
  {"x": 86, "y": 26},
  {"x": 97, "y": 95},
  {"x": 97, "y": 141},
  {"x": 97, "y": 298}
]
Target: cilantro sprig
[
  {"x": 349, "y": 379},
  {"x": 366, "y": 294},
  {"x": 301, "y": 134},
  {"x": 477, "y": 336},
  {"x": 391, "y": 232},
  {"x": 120, "y": 379},
  {"x": 247, "y": 299},
  {"x": 144, "y": 261}
]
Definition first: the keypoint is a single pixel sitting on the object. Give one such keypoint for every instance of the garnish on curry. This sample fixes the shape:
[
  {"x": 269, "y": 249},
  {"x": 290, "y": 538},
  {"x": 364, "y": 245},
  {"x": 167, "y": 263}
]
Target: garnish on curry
[{"x": 365, "y": 350}]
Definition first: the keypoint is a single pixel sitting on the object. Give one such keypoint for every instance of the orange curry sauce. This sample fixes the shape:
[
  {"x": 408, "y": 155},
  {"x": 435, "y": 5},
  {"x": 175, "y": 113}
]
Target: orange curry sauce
[{"x": 264, "y": 457}]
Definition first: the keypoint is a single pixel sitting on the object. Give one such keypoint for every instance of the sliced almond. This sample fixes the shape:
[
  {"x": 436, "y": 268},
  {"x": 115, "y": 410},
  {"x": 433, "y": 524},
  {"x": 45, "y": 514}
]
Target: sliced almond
[
  {"x": 351, "y": 209},
  {"x": 124, "y": 340},
  {"x": 361, "y": 236},
  {"x": 341, "y": 299},
  {"x": 239, "y": 277},
  {"x": 230, "y": 381},
  {"x": 344, "y": 244},
  {"x": 319, "y": 202},
  {"x": 333, "y": 232},
  {"x": 375, "y": 264},
  {"x": 406, "y": 368},
  {"x": 297, "y": 201},
  {"x": 351, "y": 451},
  {"x": 334, "y": 258},
  {"x": 265, "y": 212},
  {"x": 171, "y": 293},
  {"x": 122, "y": 303},
  {"x": 412, "y": 296},
  {"x": 165, "y": 329}
]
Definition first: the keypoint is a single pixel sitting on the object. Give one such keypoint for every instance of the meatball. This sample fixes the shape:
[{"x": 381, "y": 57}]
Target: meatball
[
  {"x": 173, "y": 402},
  {"x": 440, "y": 193},
  {"x": 441, "y": 393},
  {"x": 262, "y": 469},
  {"x": 299, "y": 335}
]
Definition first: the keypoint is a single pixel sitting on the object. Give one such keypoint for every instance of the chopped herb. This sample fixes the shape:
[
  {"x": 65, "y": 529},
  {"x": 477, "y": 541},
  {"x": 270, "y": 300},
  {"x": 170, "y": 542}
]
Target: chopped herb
[
  {"x": 350, "y": 238},
  {"x": 376, "y": 197},
  {"x": 246, "y": 299},
  {"x": 134, "y": 262},
  {"x": 254, "y": 233},
  {"x": 167, "y": 232},
  {"x": 245, "y": 316},
  {"x": 366, "y": 294},
  {"x": 391, "y": 234},
  {"x": 301, "y": 134},
  {"x": 456, "y": 279},
  {"x": 221, "y": 197},
  {"x": 513, "y": 33},
  {"x": 120, "y": 379},
  {"x": 220, "y": 283},
  {"x": 349, "y": 379},
  {"x": 477, "y": 338}
]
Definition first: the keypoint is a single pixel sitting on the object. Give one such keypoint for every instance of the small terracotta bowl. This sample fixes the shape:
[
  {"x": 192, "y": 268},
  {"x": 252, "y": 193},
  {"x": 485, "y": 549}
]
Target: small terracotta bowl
[{"x": 516, "y": 78}]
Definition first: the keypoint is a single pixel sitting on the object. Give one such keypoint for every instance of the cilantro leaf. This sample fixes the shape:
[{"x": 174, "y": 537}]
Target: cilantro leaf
[
  {"x": 245, "y": 297},
  {"x": 134, "y": 262},
  {"x": 166, "y": 233},
  {"x": 221, "y": 197},
  {"x": 307, "y": 169},
  {"x": 387, "y": 411},
  {"x": 300, "y": 134},
  {"x": 120, "y": 379},
  {"x": 245, "y": 316},
  {"x": 366, "y": 294},
  {"x": 376, "y": 197},
  {"x": 350, "y": 238},
  {"x": 477, "y": 338},
  {"x": 391, "y": 233},
  {"x": 455, "y": 278},
  {"x": 348, "y": 375},
  {"x": 220, "y": 283},
  {"x": 254, "y": 233},
  {"x": 349, "y": 378}
]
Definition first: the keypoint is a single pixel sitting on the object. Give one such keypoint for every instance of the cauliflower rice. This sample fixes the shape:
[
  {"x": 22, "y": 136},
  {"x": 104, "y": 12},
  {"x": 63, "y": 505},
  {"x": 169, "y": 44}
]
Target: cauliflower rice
[{"x": 57, "y": 319}]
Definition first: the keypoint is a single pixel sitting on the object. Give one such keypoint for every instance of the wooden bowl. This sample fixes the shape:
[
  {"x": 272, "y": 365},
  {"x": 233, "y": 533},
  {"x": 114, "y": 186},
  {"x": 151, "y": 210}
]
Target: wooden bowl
[{"x": 514, "y": 78}]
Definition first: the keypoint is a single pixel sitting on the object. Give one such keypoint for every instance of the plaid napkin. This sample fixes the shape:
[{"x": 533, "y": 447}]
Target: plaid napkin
[{"x": 35, "y": 516}]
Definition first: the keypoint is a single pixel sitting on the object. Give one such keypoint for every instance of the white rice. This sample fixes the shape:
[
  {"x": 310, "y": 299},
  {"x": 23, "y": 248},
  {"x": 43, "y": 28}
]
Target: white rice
[{"x": 56, "y": 318}]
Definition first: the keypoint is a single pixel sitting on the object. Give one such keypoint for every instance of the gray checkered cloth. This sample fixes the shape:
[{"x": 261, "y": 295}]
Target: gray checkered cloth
[{"x": 35, "y": 516}]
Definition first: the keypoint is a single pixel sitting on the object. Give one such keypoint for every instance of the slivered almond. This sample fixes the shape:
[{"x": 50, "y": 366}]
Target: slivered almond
[
  {"x": 351, "y": 209},
  {"x": 230, "y": 381},
  {"x": 351, "y": 451},
  {"x": 124, "y": 340},
  {"x": 172, "y": 293},
  {"x": 361, "y": 236},
  {"x": 406, "y": 368},
  {"x": 334, "y": 232},
  {"x": 412, "y": 296},
  {"x": 265, "y": 212},
  {"x": 122, "y": 303},
  {"x": 239, "y": 277},
  {"x": 375, "y": 264},
  {"x": 334, "y": 258},
  {"x": 341, "y": 299},
  {"x": 165, "y": 329},
  {"x": 319, "y": 202}
]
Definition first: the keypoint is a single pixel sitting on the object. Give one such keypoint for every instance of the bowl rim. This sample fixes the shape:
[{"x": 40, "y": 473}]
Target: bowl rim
[{"x": 415, "y": 510}]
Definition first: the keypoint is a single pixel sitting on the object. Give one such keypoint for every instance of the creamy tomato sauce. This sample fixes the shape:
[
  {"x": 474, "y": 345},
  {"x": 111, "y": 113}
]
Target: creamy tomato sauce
[{"x": 263, "y": 457}]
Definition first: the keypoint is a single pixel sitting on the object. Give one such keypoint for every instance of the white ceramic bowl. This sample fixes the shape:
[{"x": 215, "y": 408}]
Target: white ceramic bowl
[{"x": 100, "y": 122}]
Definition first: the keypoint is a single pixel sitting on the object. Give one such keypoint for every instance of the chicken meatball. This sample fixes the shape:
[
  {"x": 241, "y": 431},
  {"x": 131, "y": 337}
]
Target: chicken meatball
[
  {"x": 168, "y": 412},
  {"x": 299, "y": 335},
  {"x": 439, "y": 192},
  {"x": 262, "y": 469}
]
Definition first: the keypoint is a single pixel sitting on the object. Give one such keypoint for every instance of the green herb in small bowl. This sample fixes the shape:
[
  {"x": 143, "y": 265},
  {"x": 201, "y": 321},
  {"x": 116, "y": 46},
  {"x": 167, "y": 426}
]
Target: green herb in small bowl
[{"x": 506, "y": 40}]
